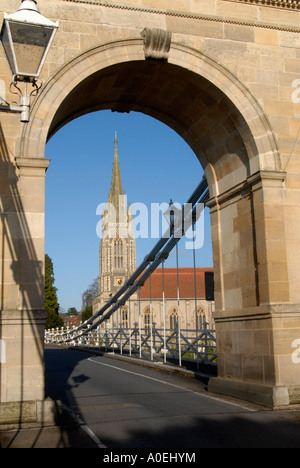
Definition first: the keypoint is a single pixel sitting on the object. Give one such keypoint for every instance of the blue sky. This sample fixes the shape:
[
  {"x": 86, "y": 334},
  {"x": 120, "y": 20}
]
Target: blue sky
[{"x": 156, "y": 166}]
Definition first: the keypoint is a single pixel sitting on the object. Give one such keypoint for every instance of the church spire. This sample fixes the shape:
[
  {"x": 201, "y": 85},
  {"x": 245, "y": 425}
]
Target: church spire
[
  {"x": 117, "y": 254},
  {"x": 116, "y": 184}
]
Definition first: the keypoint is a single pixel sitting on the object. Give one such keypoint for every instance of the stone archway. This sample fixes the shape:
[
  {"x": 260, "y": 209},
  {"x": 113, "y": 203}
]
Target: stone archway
[
  {"x": 230, "y": 134},
  {"x": 222, "y": 100}
]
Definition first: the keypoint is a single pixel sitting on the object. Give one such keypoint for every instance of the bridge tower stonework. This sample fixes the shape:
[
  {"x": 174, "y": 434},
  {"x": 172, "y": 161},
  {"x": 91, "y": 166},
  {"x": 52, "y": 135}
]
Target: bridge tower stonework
[{"x": 225, "y": 75}]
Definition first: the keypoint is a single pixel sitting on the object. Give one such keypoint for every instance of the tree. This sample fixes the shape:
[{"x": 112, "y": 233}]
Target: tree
[
  {"x": 90, "y": 294},
  {"x": 87, "y": 300},
  {"x": 72, "y": 311},
  {"x": 51, "y": 301},
  {"x": 86, "y": 313}
]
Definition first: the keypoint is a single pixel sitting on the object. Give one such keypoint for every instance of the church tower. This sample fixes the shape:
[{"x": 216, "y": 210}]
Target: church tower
[{"x": 117, "y": 252}]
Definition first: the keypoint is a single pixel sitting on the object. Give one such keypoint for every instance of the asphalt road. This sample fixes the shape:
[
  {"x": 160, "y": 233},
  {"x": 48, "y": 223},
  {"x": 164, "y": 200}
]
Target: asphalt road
[{"x": 128, "y": 406}]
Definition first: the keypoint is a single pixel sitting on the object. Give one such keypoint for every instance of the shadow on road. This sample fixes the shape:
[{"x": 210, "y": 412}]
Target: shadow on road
[{"x": 209, "y": 428}]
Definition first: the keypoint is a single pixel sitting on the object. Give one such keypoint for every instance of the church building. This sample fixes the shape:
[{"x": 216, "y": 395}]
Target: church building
[
  {"x": 117, "y": 252},
  {"x": 160, "y": 299}
]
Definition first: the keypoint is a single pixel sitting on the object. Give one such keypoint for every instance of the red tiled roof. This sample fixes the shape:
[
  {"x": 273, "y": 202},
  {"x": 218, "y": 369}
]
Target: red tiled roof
[
  {"x": 186, "y": 283},
  {"x": 72, "y": 321}
]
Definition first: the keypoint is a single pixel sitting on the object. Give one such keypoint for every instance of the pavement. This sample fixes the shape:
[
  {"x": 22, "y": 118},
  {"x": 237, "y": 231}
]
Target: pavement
[
  {"x": 68, "y": 432},
  {"x": 71, "y": 432}
]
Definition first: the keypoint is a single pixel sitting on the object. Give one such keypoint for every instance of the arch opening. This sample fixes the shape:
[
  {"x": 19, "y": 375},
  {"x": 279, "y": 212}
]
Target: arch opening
[
  {"x": 215, "y": 115},
  {"x": 188, "y": 103}
]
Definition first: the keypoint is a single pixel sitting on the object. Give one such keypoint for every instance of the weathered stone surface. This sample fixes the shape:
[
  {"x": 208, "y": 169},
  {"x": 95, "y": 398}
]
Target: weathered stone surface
[{"x": 157, "y": 43}]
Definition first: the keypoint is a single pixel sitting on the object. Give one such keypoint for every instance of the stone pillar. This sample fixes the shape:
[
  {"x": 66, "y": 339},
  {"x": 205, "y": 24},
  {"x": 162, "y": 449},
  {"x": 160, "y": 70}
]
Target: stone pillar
[
  {"x": 255, "y": 322},
  {"x": 22, "y": 289}
]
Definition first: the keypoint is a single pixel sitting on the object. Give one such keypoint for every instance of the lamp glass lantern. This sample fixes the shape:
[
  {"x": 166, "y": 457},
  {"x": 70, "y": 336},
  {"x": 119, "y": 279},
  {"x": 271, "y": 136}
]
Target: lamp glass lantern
[{"x": 26, "y": 37}]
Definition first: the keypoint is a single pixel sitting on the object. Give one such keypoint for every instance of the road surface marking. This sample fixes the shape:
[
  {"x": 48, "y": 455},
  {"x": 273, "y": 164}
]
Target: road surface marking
[
  {"x": 219, "y": 400},
  {"x": 82, "y": 424}
]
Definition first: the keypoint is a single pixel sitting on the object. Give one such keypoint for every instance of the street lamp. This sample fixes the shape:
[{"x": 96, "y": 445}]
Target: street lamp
[{"x": 26, "y": 37}]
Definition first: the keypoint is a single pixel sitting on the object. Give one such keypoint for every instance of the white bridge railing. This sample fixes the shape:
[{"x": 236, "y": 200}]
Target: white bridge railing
[{"x": 153, "y": 343}]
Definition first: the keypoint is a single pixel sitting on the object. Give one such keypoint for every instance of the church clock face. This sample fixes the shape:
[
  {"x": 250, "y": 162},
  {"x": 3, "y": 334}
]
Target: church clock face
[{"x": 119, "y": 280}]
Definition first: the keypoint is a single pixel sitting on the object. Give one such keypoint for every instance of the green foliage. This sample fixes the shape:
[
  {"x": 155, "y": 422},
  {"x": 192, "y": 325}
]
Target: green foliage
[
  {"x": 87, "y": 313},
  {"x": 51, "y": 301},
  {"x": 72, "y": 311},
  {"x": 87, "y": 300}
]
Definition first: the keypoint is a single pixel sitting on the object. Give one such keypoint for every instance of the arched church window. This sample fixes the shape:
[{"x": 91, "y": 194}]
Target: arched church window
[
  {"x": 118, "y": 253},
  {"x": 200, "y": 318},
  {"x": 147, "y": 318},
  {"x": 124, "y": 317},
  {"x": 173, "y": 318}
]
